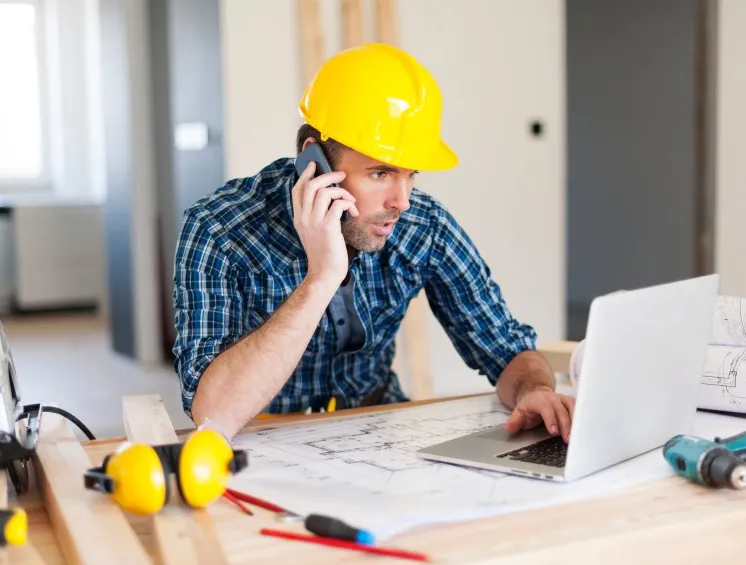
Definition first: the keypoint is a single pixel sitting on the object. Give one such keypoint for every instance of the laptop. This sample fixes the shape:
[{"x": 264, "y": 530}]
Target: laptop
[{"x": 644, "y": 357}]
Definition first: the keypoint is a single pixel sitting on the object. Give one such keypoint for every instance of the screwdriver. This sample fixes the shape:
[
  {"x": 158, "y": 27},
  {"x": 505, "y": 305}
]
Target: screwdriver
[{"x": 333, "y": 528}]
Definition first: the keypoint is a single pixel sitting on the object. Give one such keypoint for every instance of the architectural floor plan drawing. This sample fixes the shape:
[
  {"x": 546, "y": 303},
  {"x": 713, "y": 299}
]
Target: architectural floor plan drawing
[
  {"x": 364, "y": 469},
  {"x": 724, "y": 379}
]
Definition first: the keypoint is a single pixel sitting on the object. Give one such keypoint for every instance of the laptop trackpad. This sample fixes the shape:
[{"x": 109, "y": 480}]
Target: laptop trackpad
[{"x": 503, "y": 441}]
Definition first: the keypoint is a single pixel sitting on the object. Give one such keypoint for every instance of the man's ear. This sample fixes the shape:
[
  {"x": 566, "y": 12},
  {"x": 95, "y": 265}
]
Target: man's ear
[{"x": 307, "y": 142}]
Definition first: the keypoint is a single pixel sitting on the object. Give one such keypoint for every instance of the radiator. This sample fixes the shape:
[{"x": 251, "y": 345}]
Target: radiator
[{"x": 58, "y": 255}]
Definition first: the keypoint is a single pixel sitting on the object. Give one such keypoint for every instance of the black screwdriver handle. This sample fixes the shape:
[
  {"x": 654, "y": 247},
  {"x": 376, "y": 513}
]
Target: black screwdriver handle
[{"x": 328, "y": 527}]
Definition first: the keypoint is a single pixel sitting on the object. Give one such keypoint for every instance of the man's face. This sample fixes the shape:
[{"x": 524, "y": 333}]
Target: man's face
[{"x": 382, "y": 195}]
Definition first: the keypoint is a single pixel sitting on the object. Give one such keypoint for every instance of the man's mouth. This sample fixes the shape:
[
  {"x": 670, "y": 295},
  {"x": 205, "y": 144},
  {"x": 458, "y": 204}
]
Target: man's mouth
[{"x": 383, "y": 229}]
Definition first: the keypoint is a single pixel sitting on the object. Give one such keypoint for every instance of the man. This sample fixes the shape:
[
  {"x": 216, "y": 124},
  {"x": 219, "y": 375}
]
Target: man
[{"x": 281, "y": 306}]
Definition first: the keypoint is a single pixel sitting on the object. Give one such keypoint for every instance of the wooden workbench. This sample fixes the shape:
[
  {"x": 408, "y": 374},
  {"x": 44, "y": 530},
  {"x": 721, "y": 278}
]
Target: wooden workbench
[{"x": 664, "y": 521}]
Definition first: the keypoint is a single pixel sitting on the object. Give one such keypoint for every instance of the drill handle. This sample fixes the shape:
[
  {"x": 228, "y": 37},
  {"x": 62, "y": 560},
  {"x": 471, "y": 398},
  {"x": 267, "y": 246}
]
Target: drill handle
[{"x": 735, "y": 444}]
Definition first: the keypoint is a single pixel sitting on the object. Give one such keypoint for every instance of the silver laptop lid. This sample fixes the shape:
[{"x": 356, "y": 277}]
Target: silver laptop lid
[{"x": 645, "y": 351}]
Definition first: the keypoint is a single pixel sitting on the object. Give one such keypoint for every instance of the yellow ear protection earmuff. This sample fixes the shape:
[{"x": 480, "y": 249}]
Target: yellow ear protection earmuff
[
  {"x": 136, "y": 475},
  {"x": 13, "y": 527}
]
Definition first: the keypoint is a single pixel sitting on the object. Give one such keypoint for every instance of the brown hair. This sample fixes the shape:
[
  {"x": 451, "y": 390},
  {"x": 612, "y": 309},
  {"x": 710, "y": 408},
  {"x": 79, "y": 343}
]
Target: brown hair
[{"x": 332, "y": 148}]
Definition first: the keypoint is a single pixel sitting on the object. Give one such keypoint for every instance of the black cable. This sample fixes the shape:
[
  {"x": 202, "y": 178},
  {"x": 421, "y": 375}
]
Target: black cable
[{"x": 29, "y": 408}]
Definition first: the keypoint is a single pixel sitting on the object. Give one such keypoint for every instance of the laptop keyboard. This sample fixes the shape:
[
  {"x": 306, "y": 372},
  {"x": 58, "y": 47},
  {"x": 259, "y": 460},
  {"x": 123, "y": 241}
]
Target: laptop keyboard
[{"x": 550, "y": 452}]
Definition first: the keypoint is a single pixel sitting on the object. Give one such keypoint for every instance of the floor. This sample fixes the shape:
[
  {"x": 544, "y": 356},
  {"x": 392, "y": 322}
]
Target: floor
[{"x": 65, "y": 360}]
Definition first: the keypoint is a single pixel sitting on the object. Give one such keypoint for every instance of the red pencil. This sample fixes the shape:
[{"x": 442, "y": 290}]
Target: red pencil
[
  {"x": 228, "y": 496},
  {"x": 345, "y": 544},
  {"x": 254, "y": 500}
]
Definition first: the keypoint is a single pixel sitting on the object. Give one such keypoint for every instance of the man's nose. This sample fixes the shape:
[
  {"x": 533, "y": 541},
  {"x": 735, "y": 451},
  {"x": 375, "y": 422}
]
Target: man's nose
[{"x": 399, "y": 197}]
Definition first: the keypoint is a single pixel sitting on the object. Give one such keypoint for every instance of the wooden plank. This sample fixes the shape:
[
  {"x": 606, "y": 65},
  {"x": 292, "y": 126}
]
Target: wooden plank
[
  {"x": 311, "y": 38},
  {"x": 352, "y": 23},
  {"x": 146, "y": 420},
  {"x": 557, "y": 354},
  {"x": 386, "y": 26},
  {"x": 3, "y": 505},
  {"x": 89, "y": 526},
  {"x": 15, "y": 555},
  {"x": 42, "y": 546},
  {"x": 182, "y": 535},
  {"x": 414, "y": 357},
  {"x": 21, "y": 555}
]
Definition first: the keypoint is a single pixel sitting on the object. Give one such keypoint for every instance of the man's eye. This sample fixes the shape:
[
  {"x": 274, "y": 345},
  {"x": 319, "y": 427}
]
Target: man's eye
[{"x": 378, "y": 175}]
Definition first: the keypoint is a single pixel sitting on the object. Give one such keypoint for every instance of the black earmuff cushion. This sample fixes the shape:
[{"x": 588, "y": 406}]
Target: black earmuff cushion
[
  {"x": 179, "y": 474},
  {"x": 169, "y": 456}
]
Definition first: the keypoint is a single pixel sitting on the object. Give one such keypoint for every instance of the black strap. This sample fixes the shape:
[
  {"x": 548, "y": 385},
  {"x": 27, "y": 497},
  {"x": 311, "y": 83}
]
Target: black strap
[
  {"x": 5, "y": 516},
  {"x": 239, "y": 462},
  {"x": 97, "y": 479}
]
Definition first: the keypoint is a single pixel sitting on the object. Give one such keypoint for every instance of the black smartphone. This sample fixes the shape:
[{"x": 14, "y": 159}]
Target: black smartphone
[{"x": 314, "y": 152}]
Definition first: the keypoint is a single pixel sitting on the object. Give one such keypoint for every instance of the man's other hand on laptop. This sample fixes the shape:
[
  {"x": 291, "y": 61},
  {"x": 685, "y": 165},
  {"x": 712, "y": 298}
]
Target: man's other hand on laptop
[{"x": 527, "y": 386}]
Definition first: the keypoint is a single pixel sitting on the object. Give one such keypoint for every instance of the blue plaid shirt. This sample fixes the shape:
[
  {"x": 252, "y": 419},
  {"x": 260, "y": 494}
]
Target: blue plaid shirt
[{"x": 239, "y": 257}]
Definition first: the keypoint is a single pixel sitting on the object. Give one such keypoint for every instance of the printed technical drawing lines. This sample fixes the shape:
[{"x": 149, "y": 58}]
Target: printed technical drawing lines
[{"x": 726, "y": 372}]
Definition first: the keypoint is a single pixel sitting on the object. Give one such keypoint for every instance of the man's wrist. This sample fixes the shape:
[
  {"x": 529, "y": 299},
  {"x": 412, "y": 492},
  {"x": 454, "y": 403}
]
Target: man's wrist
[
  {"x": 212, "y": 425},
  {"x": 321, "y": 286},
  {"x": 529, "y": 386}
]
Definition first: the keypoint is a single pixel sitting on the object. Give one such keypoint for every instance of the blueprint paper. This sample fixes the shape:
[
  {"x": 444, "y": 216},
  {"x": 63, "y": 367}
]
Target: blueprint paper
[
  {"x": 729, "y": 322},
  {"x": 724, "y": 379},
  {"x": 364, "y": 470}
]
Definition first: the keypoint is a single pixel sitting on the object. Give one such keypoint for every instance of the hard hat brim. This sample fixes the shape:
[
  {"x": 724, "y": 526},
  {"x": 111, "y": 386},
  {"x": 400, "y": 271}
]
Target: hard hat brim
[{"x": 441, "y": 159}]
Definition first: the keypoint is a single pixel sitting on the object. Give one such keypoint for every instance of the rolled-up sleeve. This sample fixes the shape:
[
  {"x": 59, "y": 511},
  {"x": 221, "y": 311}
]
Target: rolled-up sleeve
[
  {"x": 207, "y": 304},
  {"x": 469, "y": 304}
]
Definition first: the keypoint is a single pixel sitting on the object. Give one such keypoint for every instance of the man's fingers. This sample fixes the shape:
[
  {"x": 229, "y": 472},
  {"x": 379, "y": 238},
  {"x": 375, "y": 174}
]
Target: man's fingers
[
  {"x": 298, "y": 189},
  {"x": 323, "y": 202},
  {"x": 327, "y": 179},
  {"x": 549, "y": 417},
  {"x": 513, "y": 424},
  {"x": 308, "y": 171},
  {"x": 569, "y": 403},
  {"x": 313, "y": 186},
  {"x": 338, "y": 207},
  {"x": 563, "y": 417}
]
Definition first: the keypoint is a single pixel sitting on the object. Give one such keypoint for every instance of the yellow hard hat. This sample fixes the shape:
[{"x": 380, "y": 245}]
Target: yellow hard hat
[{"x": 381, "y": 102}]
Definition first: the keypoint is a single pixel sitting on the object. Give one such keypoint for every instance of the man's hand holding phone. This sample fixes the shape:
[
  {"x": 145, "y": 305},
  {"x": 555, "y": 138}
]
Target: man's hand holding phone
[{"x": 317, "y": 214}]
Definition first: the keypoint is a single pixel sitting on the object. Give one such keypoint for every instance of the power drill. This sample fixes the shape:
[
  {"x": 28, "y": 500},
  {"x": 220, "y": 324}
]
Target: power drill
[{"x": 719, "y": 463}]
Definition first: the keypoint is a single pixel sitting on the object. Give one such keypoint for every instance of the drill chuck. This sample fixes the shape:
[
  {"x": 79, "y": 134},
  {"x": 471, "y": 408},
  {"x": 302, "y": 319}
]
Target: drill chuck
[{"x": 725, "y": 470}]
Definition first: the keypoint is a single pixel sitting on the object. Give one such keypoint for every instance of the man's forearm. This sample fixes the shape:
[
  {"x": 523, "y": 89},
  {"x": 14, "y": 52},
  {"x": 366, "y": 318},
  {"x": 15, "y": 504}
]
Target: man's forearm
[
  {"x": 242, "y": 380},
  {"x": 527, "y": 371}
]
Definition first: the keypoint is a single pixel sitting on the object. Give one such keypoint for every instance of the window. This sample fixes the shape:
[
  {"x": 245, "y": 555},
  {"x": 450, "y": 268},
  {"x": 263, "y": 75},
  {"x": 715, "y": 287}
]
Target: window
[{"x": 21, "y": 123}]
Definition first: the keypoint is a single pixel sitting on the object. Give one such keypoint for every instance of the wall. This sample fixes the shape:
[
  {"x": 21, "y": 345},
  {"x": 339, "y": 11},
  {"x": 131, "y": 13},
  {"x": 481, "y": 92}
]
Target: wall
[
  {"x": 496, "y": 77},
  {"x": 260, "y": 91},
  {"x": 508, "y": 190},
  {"x": 131, "y": 204},
  {"x": 730, "y": 167},
  {"x": 631, "y": 175}
]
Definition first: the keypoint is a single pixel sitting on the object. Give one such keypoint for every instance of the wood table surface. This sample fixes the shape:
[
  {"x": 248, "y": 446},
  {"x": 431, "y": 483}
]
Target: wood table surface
[{"x": 664, "y": 521}]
